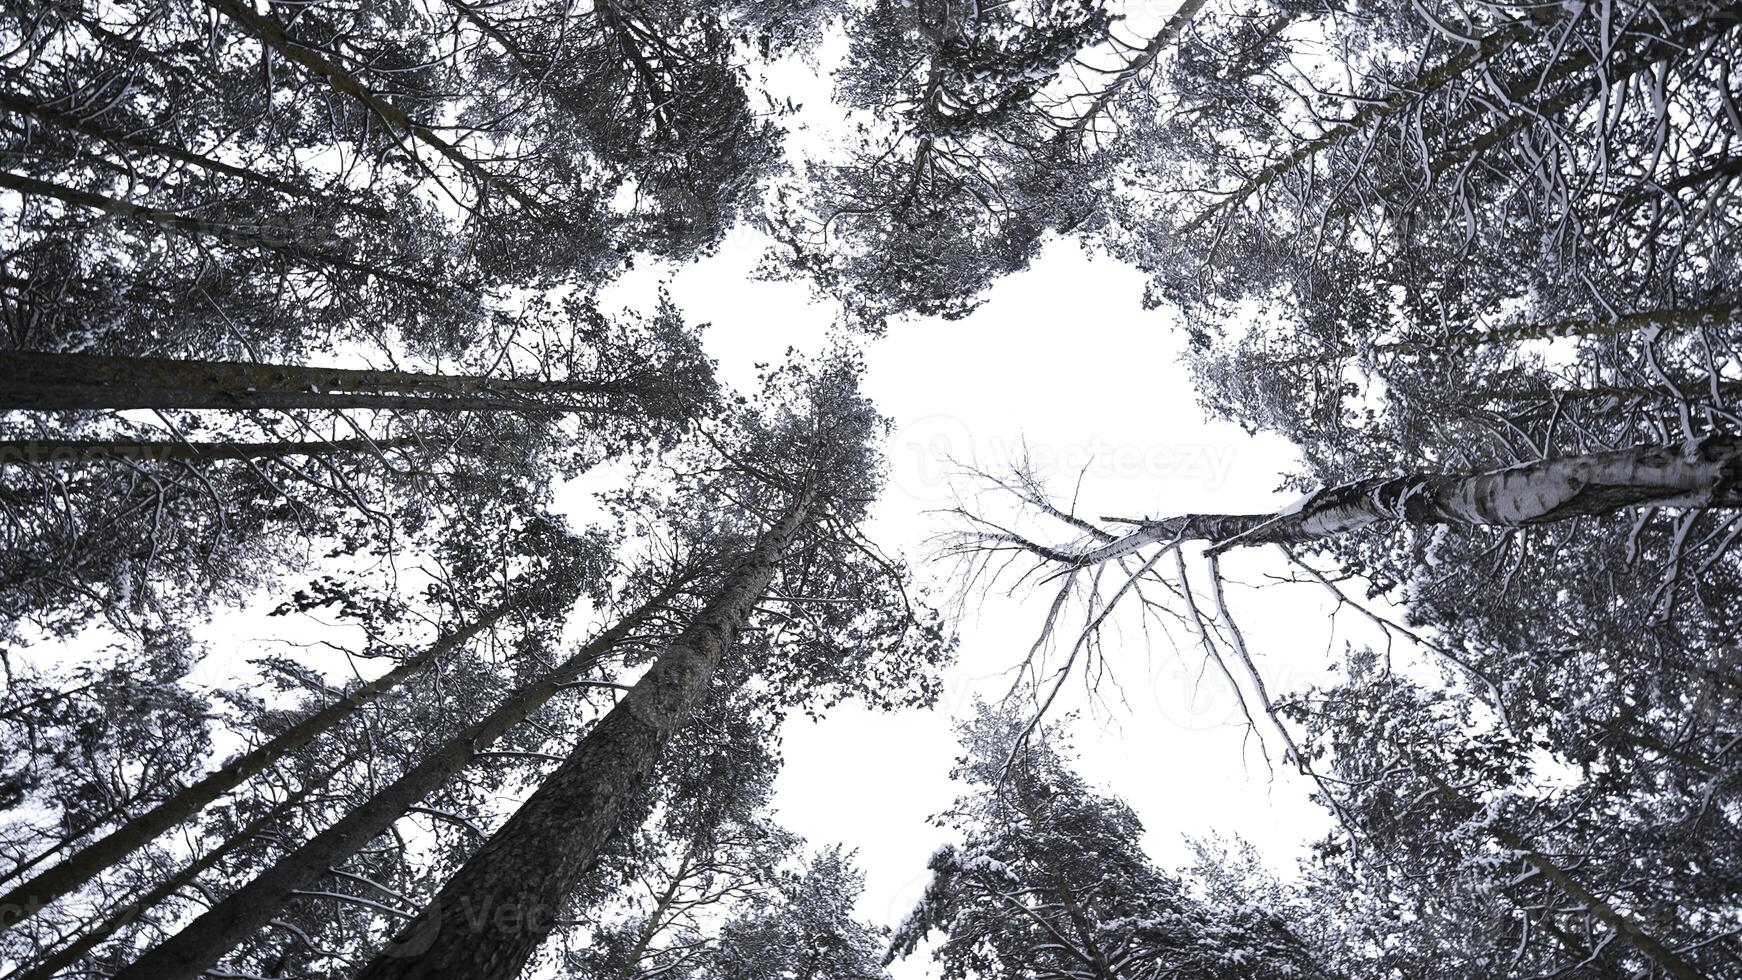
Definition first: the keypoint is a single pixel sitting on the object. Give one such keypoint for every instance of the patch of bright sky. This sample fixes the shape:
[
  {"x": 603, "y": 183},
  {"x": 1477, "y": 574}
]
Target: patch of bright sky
[{"x": 1062, "y": 360}]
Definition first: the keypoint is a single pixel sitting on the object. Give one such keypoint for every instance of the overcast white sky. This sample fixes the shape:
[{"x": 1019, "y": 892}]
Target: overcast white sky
[{"x": 1062, "y": 358}]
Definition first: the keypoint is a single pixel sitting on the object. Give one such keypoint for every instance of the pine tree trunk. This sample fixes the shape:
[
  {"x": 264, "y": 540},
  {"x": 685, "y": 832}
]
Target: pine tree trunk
[
  {"x": 194, "y": 949},
  {"x": 129, "y": 911},
  {"x": 1710, "y": 314},
  {"x": 1695, "y": 474},
  {"x": 1531, "y": 106},
  {"x": 62, "y": 451},
  {"x": 70, "y": 382},
  {"x": 1671, "y": 319},
  {"x": 1546, "y": 402},
  {"x": 29, "y": 898},
  {"x": 655, "y": 921},
  {"x": 499, "y": 907}
]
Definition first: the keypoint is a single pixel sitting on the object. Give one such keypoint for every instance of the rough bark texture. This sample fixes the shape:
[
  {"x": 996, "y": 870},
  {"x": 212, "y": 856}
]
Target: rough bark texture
[
  {"x": 204, "y": 941},
  {"x": 496, "y": 910},
  {"x": 56, "y": 382},
  {"x": 1699, "y": 473},
  {"x": 29, "y": 898}
]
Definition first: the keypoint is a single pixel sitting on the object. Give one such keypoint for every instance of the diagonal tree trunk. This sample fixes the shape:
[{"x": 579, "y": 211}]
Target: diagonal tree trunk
[
  {"x": 263, "y": 236},
  {"x": 29, "y": 898},
  {"x": 498, "y": 908},
  {"x": 76, "y": 122},
  {"x": 1163, "y": 39},
  {"x": 129, "y": 911},
  {"x": 1682, "y": 318},
  {"x": 192, "y": 951},
  {"x": 67, "y": 382},
  {"x": 1400, "y": 98},
  {"x": 273, "y": 35}
]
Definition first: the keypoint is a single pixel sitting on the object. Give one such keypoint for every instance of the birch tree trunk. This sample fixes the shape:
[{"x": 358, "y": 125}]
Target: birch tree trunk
[
  {"x": 1695, "y": 474},
  {"x": 499, "y": 907},
  {"x": 66, "y": 382},
  {"x": 193, "y": 950},
  {"x": 29, "y": 898}
]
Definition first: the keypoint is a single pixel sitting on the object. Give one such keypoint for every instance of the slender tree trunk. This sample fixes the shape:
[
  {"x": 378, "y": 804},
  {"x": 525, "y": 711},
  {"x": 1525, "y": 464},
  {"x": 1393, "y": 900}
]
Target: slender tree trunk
[
  {"x": 204, "y": 941},
  {"x": 133, "y": 140},
  {"x": 27, "y": 899},
  {"x": 273, "y": 35},
  {"x": 499, "y": 907},
  {"x": 1695, "y": 474},
  {"x": 1569, "y": 942},
  {"x": 1401, "y": 97},
  {"x": 1672, "y": 319},
  {"x": 66, "y": 382},
  {"x": 655, "y": 921},
  {"x": 1727, "y": 311},
  {"x": 1545, "y": 402},
  {"x": 1602, "y": 911},
  {"x": 1163, "y": 39},
  {"x": 37, "y": 451},
  {"x": 123, "y": 916},
  {"x": 263, "y": 236},
  {"x": 1532, "y": 106}
]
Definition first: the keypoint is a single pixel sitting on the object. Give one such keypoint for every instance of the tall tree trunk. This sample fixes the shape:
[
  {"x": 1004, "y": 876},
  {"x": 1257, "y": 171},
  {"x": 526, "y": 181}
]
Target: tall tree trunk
[
  {"x": 1602, "y": 911},
  {"x": 27, "y": 899},
  {"x": 1698, "y": 473},
  {"x": 124, "y": 915},
  {"x": 499, "y": 907},
  {"x": 1530, "y": 105},
  {"x": 63, "y": 382},
  {"x": 655, "y": 921},
  {"x": 1671, "y": 319},
  {"x": 192, "y": 951},
  {"x": 51, "y": 451},
  {"x": 1546, "y": 401}
]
